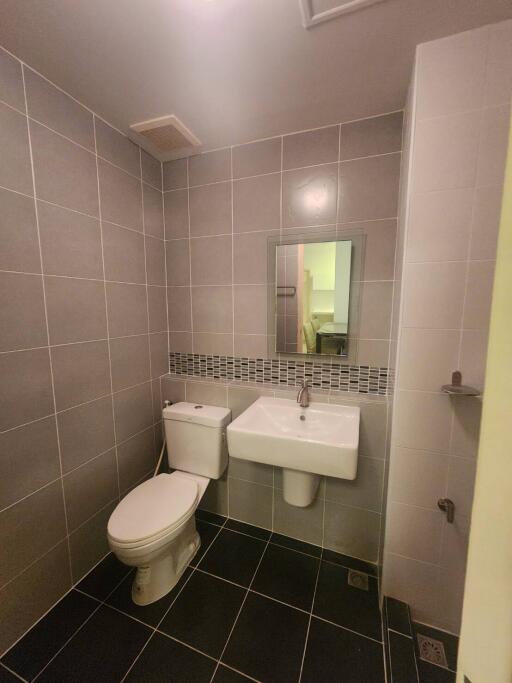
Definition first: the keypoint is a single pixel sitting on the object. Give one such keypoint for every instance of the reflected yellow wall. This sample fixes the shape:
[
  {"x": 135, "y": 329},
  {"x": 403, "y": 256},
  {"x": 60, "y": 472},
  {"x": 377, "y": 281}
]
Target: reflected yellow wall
[{"x": 485, "y": 654}]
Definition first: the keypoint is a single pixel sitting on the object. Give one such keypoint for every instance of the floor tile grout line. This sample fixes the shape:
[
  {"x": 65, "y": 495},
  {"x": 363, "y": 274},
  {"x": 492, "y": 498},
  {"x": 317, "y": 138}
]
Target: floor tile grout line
[
  {"x": 309, "y": 621},
  {"x": 187, "y": 645},
  {"x": 399, "y": 633},
  {"x": 155, "y": 629},
  {"x": 101, "y": 603},
  {"x": 11, "y": 671},
  {"x": 386, "y": 646},
  {"x": 345, "y": 628},
  {"x": 239, "y": 612},
  {"x": 301, "y": 552}
]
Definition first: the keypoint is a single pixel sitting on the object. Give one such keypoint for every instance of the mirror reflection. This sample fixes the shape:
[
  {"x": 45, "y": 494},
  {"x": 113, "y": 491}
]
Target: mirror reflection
[{"x": 312, "y": 297}]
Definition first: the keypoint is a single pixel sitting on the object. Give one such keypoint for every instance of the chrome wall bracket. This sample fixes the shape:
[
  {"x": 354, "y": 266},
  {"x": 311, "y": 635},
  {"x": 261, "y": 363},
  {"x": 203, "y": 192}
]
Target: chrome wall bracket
[
  {"x": 456, "y": 388},
  {"x": 448, "y": 507}
]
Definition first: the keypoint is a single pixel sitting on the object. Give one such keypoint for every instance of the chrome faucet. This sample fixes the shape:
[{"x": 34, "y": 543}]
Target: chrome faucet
[{"x": 303, "y": 395}]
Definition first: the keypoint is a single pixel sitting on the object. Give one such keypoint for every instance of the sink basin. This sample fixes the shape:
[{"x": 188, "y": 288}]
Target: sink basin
[{"x": 319, "y": 440}]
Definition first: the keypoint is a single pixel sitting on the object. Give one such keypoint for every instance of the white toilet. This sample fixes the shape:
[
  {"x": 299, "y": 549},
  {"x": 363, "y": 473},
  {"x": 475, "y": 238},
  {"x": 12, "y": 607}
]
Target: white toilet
[{"x": 153, "y": 528}]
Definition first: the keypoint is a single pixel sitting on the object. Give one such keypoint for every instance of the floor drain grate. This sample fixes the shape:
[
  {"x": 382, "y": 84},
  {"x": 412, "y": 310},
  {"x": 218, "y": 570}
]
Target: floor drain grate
[
  {"x": 432, "y": 650},
  {"x": 358, "y": 580}
]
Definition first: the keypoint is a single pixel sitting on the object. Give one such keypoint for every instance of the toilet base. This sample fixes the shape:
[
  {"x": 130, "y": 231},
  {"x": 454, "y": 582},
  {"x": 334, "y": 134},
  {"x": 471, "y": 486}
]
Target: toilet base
[{"x": 159, "y": 576}]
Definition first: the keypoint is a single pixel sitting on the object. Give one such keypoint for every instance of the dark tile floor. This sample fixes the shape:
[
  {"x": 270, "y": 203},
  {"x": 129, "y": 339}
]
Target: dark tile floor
[{"x": 252, "y": 606}]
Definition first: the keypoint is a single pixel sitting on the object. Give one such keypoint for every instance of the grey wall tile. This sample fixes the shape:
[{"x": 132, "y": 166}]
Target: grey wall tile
[
  {"x": 89, "y": 543},
  {"x": 302, "y": 523},
  {"x": 175, "y": 174},
  {"x": 80, "y": 372},
  {"x": 363, "y": 492},
  {"x": 158, "y": 430},
  {"x": 309, "y": 196},
  {"x": 218, "y": 344},
  {"x": 178, "y": 262},
  {"x": 22, "y": 538},
  {"x": 151, "y": 170},
  {"x": 153, "y": 211},
  {"x": 65, "y": 173},
  {"x": 15, "y": 172},
  {"x": 127, "y": 309},
  {"x": 180, "y": 342},
  {"x": 159, "y": 354},
  {"x": 255, "y": 472},
  {"x": 117, "y": 148},
  {"x": 352, "y": 531},
  {"x": 30, "y": 459},
  {"x": 121, "y": 196},
  {"x": 130, "y": 361},
  {"x": 379, "y": 252},
  {"x": 22, "y": 317},
  {"x": 133, "y": 411},
  {"x": 210, "y": 210},
  {"x": 180, "y": 316},
  {"x": 257, "y": 157},
  {"x": 211, "y": 260},
  {"x": 176, "y": 214},
  {"x": 89, "y": 488},
  {"x": 208, "y": 393},
  {"x": 209, "y": 167},
  {"x": 212, "y": 309},
  {"x": 251, "y": 257},
  {"x": 17, "y": 613},
  {"x": 372, "y": 429},
  {"x": 375, "y": 313},
  {"x": 25, "y": 374},
  {"x": 136, "y": 458},
  {"x": 257, "y": 203},
  {"x": 70, "y": 242},
  {"x": 155, "y": 261},
  {"x": 76, "y": 310},
  {"x": 378, "y": 135},
  {"x": 49, "y": 105},
  {"x": 250, "y": 503},
  {"x": 157, "y": 400},
  {"x": 312, "y": 147},
  {"x": 251, "y": 345},
  {"x": 369, "y": 188},
  {"x": 172, "y": 389},
  {"x": 85, "y": 431},
  {"x": 124, "y": 254},
  {"x": 157, "y": 309},
  {"x": 215, "y": 497},
  {"x": 20, "y": 247},
  {"x": 250, "y": 309},
  {"x": 11, "y": 82}
]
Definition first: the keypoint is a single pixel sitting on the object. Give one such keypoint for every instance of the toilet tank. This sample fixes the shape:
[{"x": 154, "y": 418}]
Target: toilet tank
[{"x": 196, "y": 438}]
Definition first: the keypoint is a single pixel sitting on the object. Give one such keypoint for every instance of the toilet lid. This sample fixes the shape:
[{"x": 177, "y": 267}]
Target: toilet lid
[{"x": 153, "y": 509}]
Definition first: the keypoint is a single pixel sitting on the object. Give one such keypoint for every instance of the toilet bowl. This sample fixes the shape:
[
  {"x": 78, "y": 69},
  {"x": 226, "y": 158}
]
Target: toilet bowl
[{"x": 153, "y": 527}]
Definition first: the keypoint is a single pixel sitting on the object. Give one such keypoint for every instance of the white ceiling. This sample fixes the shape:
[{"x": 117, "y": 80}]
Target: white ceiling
[{"x": 231, "y": 70}]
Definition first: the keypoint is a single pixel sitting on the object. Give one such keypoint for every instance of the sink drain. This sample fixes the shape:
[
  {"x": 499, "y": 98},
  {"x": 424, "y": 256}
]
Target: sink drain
[{"x": 432, "y": 650}]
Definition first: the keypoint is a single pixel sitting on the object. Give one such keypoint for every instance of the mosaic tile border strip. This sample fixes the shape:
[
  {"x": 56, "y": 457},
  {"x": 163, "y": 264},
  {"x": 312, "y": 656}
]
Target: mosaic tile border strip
[{"x": 355, "y": 378}]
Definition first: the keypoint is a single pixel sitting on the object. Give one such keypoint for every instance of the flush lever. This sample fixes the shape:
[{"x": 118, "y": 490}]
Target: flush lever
[{"x": 448, "y": 507}]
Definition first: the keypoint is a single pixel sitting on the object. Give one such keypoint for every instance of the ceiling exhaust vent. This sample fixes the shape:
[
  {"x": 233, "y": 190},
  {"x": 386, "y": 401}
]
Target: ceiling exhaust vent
[{"x": 166, "y": 135}]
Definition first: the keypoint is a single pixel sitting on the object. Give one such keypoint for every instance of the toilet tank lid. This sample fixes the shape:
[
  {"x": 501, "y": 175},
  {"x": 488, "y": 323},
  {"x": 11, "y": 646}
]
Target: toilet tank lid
[{"x": 198, "y": 413}]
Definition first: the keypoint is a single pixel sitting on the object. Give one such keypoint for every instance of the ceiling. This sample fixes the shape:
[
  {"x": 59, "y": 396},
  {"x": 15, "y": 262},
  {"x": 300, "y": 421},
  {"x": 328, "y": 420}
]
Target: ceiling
[{"x": 231, "y": 70}]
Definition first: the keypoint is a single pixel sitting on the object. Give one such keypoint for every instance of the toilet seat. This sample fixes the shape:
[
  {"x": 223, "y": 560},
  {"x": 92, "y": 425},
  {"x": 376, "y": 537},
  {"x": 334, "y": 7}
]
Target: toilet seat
[{"x": 153, "y": 510}]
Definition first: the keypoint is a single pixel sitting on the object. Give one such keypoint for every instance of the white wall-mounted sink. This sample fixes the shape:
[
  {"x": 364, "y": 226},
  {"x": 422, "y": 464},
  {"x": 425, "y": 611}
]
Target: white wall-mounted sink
[{"x": 308, "y": 442}]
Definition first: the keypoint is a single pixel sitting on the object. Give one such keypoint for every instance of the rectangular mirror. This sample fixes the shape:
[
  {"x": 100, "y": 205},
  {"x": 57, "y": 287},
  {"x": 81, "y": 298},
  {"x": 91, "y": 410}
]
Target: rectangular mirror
[{"x": 312, "y": 297}]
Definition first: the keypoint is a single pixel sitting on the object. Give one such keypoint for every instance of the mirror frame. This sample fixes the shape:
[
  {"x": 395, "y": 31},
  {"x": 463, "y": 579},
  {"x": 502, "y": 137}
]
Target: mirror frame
[{"x": 315, "y": 236}]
